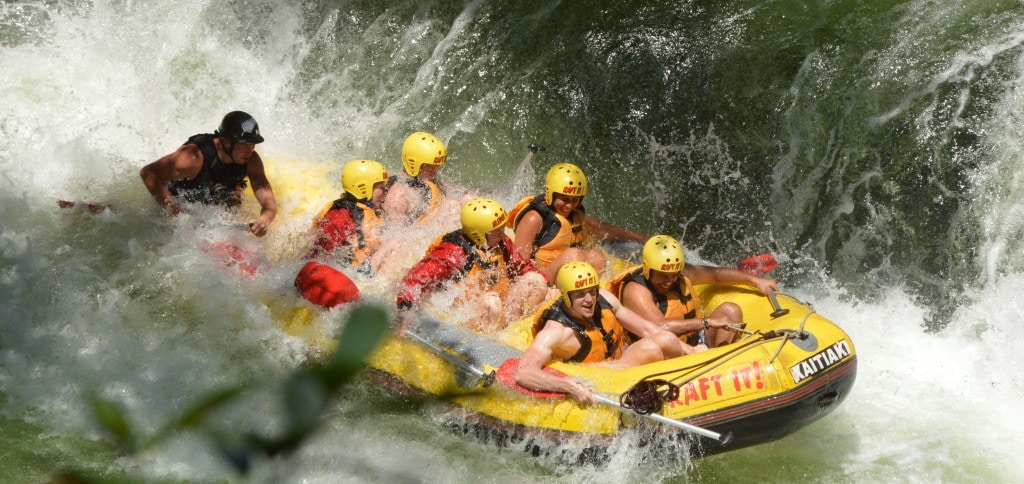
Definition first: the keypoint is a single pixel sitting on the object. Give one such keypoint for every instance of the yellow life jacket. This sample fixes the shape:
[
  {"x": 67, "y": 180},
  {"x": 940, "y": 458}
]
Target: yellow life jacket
[
  {"x": 604, "y": 341},
  {"x": 557, "y": 233}
]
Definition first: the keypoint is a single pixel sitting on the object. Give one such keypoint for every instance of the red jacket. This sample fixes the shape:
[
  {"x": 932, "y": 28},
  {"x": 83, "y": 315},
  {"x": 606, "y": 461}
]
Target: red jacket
[
  {"x": 337, "y": 227},
  {"x": 447, "y": 261}
]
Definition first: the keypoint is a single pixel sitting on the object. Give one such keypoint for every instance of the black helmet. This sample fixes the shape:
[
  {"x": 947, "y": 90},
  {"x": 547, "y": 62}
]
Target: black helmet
[{"x": 241, "y": 128}]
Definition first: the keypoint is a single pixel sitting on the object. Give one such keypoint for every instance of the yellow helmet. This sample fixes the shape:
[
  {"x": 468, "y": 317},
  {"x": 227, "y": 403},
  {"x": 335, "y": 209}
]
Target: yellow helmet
[
  {"x": 576, "y": 276},
  {"x": 567, "y": 179},
  {"x": 422, "y": 148},
  {"x": 482, "y": 215},
  {"x": 359, "y": 176},
  {"x": 663, "y": 253}
]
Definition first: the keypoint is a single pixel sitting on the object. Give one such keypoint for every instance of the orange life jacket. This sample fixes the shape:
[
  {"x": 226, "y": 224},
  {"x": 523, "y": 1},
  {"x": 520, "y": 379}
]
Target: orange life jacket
[
  {"x": 557, "y": 233},
  {"x": 681, "y": 302},
  {"x": 369, "y": 223},
  {"x": 604, "y": 341},
  {"x": 484, "y": 270}
]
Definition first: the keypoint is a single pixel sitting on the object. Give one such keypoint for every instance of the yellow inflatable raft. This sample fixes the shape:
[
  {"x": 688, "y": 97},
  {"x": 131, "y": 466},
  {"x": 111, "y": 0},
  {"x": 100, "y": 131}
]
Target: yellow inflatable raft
[
  {"x": 784, "y": 373},
  {"x": 787, "y": 371}
]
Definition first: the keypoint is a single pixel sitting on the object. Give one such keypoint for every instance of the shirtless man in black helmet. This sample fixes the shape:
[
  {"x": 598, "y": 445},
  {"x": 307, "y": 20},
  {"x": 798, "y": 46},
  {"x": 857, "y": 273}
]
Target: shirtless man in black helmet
[{"x": 212, "y": 169}]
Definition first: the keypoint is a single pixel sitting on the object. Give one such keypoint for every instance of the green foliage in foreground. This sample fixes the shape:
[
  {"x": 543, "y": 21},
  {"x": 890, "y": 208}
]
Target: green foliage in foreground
[{"x": 307, "y": 393}]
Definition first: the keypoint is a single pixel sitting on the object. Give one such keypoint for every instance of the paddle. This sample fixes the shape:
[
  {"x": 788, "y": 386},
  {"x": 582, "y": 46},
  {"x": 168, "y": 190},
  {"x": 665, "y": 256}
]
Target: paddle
[
  {"x": 723, "y": 440},
  {"x": 99, "y": 207},
  {"x": 230, "y": 254},
  {"x": 227, "y": 225},
  {"x": 523, "y": 165},
  {"x": 485, "y": 378},
  {"x": 519, "y": 176},
  {"x": 761, "y": 264},
  {"x": 488, "y": 378},
  {"x": 506, "y": 375}
]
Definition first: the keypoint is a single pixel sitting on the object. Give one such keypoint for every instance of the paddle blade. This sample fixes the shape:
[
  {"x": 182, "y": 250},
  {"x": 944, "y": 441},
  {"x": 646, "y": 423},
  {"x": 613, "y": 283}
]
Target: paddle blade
[
  {"x": 726, "y": 440},
  {"x": 758, "y": 264},
  {"x": 91, "y": 207},
  {"x": 507, "y": 375},
  {"x": 325, "y": 286},
  {"x": 247, "y": 261}
]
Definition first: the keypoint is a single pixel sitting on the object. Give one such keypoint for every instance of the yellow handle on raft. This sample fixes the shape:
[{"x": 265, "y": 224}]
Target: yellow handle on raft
[{"x": 775, "y": 305}]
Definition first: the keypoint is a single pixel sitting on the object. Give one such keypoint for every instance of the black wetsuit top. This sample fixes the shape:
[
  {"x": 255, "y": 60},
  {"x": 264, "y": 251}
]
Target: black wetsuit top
[{"x": 218, "y": 183}]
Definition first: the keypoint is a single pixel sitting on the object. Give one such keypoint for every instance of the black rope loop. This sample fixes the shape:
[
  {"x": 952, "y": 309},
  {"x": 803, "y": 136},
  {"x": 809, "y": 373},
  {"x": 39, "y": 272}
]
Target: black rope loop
[{"x": 647, "y": 396}]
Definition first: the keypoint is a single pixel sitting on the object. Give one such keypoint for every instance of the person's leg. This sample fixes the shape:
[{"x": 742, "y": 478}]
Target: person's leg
[
  {"x": 528, "y": 291},
  {"x": 569, "y": 255},
  {"x": 656, "y": 347},
  {"x": 596, "y": 258},
  {"x": 486, "y": 313},
  {"x": 732, "y": 313},
  {"x": 639, "y": 353}
]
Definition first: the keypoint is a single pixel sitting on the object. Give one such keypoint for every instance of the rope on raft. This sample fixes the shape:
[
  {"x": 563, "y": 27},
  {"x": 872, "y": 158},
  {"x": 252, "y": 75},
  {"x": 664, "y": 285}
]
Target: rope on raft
[
  {"x": 650, "y": 393},
  {"x": 798, "y": 334},
  {"x": 644, "y": 396},
  {"x": 647, "y": 396}
]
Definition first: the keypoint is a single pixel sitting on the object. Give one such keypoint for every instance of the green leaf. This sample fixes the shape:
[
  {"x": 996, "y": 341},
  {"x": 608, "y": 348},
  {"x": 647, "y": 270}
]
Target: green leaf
[
  {"x": 194, "y": 416},
  {"x": 307, "y": 395},
  {"x": 366, "y": 326},
  {"x": 109, "y": 416},
  {"x": 305, "y": 400},
  {"x": 237, "y": 449}
]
